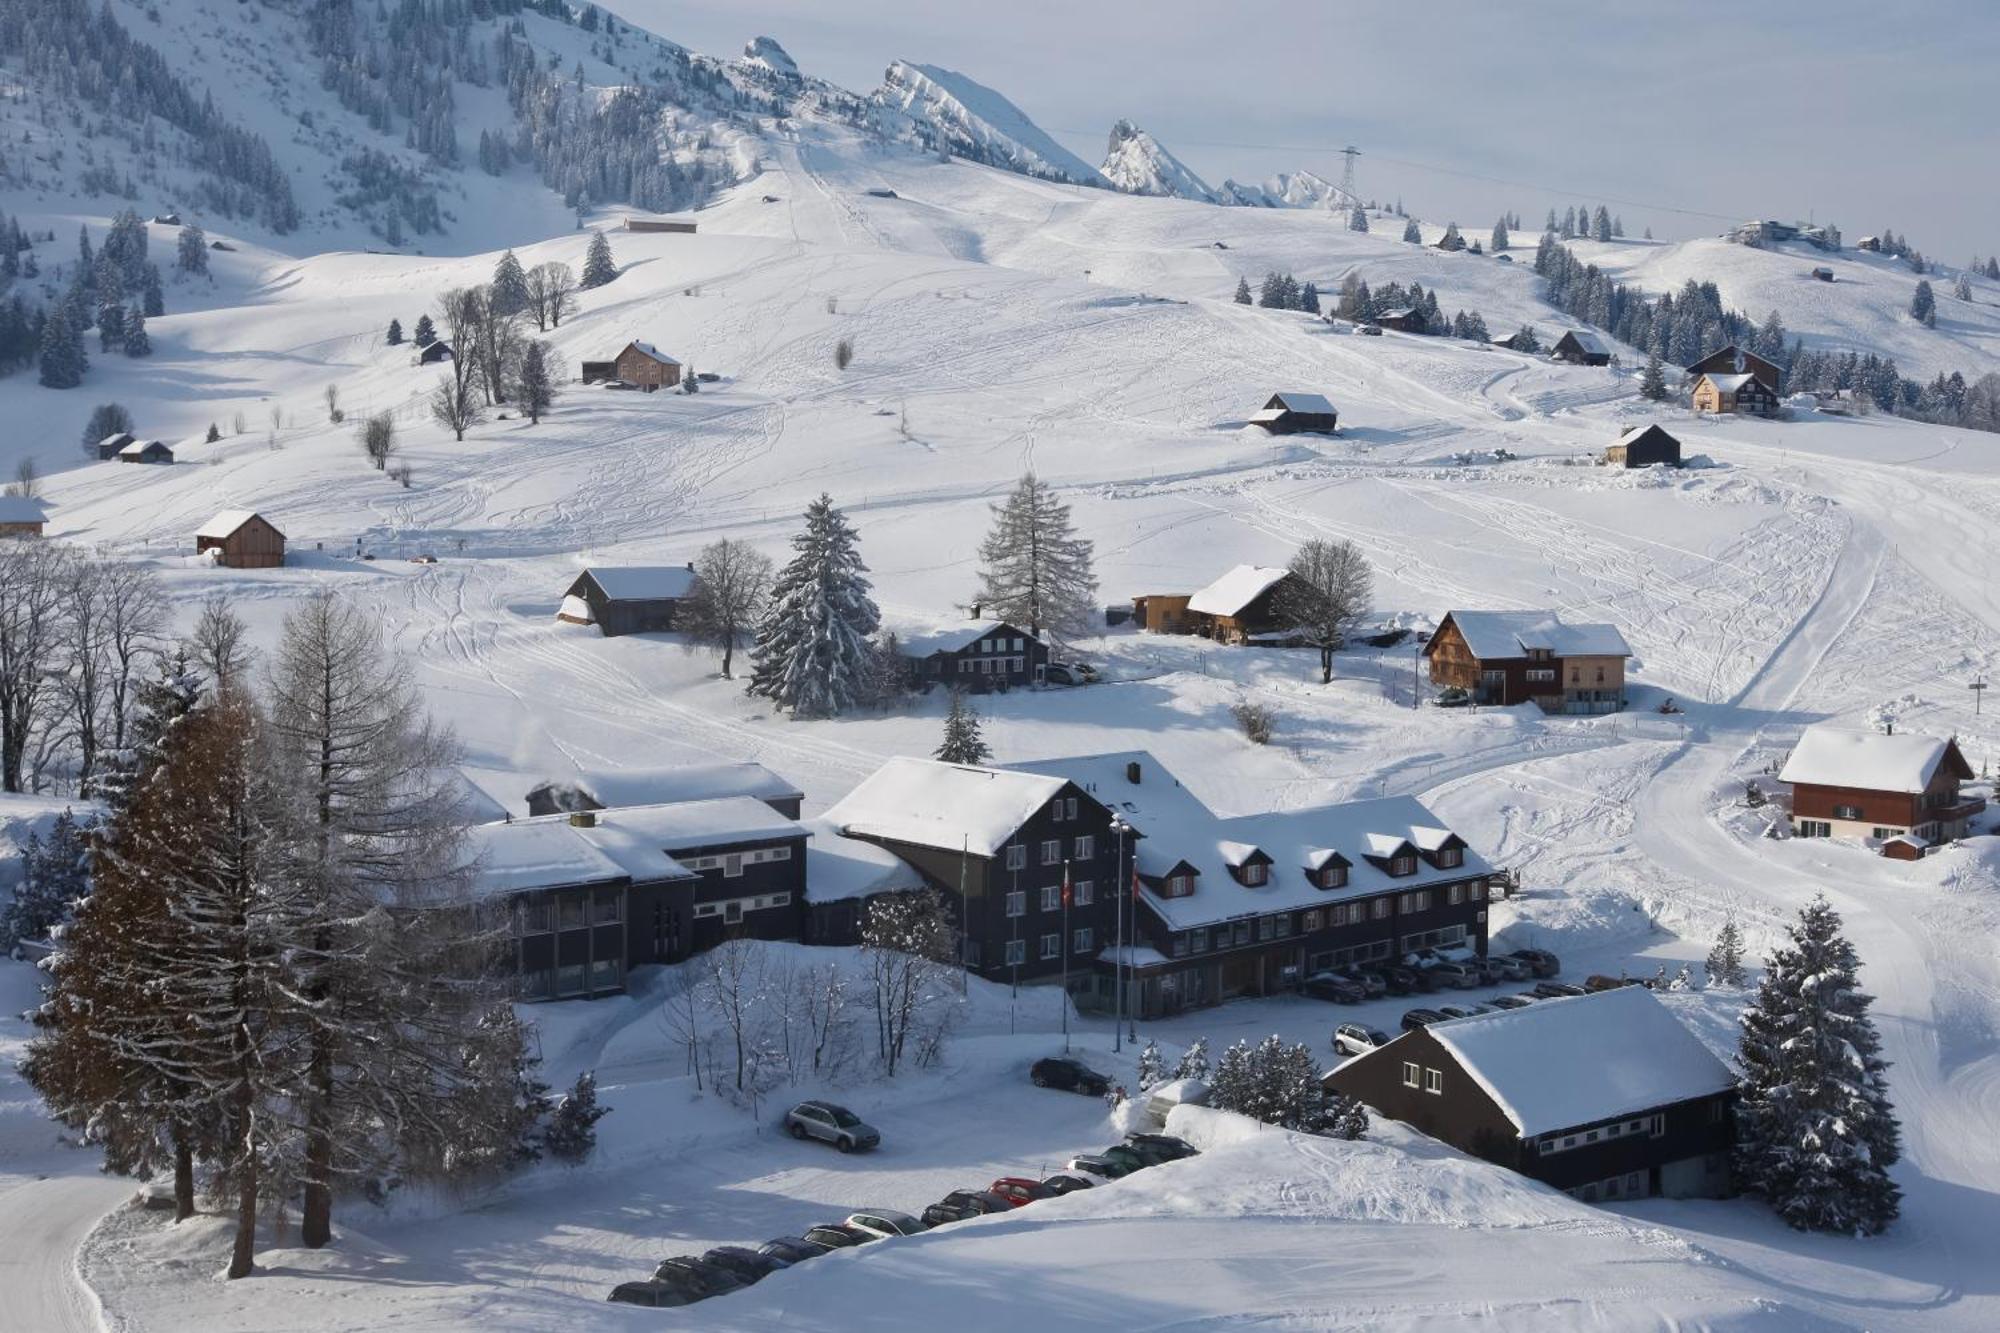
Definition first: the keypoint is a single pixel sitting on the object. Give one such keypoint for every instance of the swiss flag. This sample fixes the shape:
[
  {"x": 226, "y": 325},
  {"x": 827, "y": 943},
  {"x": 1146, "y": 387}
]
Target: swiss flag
[{"x": 1065, "y": 884}]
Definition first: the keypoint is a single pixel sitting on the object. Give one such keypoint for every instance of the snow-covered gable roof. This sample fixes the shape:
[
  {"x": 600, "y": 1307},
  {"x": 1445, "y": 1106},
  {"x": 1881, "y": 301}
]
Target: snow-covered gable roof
[
  {"x": 510, "y": 789},
  {"x": 1586, "y": 341},
  {"x": 225, "y": 524},
  {"x": 1559, "y": 1064},
  {"x": 1228, "y": 595},
  {"x": 1829, "y": 756},
  {"x": 647, "y": 349},
  {"x": 957, "y": 638},
  {"x": 535, "y": 854},
  {"x": 1730, "y": 383},
  {"x": 627, "y": 842},
  {"x": 22, "y": 509},
  {"x": 643, "y": 583},
  {"x": 1502, "y": 634},
  {"x": 838, "y": 869},
  {"x": 1304, "y": 402},
  {"x": 1637, "y": 433},
  {"x": 946, "y": 806}
]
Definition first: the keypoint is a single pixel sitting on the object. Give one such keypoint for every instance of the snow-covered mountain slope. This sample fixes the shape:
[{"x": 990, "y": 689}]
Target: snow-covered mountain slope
[
  {"x": 1137, "y": 163},
  {"x": 973, "y": 121},
  {"x": 1297, "y": 189}
]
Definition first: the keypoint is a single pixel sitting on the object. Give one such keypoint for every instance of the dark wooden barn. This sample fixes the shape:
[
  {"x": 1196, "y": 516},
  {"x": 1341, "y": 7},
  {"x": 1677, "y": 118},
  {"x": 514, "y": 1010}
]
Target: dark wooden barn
[
  {"x": 1404, "y": 321},
  {"x": 1290, "y": 413},
  {"x": 432, "y": 355},
  {"x": 1581, "y": 348},
  {"x": 146, "y": 451},
  {"x": 632, "y": 599},
  {"x": 1643, "y": 446},
  {"x": 241, "y": 539}
]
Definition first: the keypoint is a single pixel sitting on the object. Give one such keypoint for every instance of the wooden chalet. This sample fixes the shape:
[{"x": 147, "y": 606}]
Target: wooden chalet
[
  {"x": 1291, "y": 413},
  {"x": 1242, "y": 605},
  {"x": 1734, "y": 360},
  {"x": 1605, "y": 1097},
  {"x": 146, "y": 451},
  {"x": 1404, "y": 320},
  {"x": 436, "y": 353},
  {"x": 628, "y": 599},
  {"x": 1162, "y": 612},
  {"x": 241, "y": 539},
  {"x": 21, "y": 516},
  {"x": 1743, "y": 394},
  {"x": 111, "y": 446},
  {"x": 677, "y": 226},
  {"x": 1512, "y": 657},
  {"x": 1860, "y": 783},
  {"x": 1644, "y": 446},
  {"x": 637, "y": 363},
  {"x": 994, "y": 655},
  {"x": 1580, "y": 347}
]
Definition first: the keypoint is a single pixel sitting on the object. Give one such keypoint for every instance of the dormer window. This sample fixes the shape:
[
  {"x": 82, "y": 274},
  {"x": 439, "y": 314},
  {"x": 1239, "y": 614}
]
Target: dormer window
[
  {"x": 1331, "y": 876},
  {"x": 1179, "y": 886},
  {"x": 1252, "y": 874},
  {"x": 1450, "y": 857},
  {"x": 1405, "y": 864}
]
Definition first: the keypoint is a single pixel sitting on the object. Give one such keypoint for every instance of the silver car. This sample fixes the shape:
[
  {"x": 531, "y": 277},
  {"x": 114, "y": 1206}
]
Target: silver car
[{"x": 831, "y": 1124}]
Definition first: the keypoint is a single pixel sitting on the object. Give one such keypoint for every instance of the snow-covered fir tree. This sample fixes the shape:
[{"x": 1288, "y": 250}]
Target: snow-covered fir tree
[
  {"x": 1816, "y": 1134},
  {"x": 812, "y": 655},
  {"x": 1309, "y": 298},
  {"x": 1230, "y": 1087},
  {"x": 1193, "y": 1062},
  {"x": 962, "y": 743},
  {"x": 1411, "y": 233},
  {"x": 535, "y": 389},
  {"x": 137, "y": 342},
  {"x": 509, "y": 291},
  {"x": 1653, "y": 383},
  {"x": 598, "y": 266},
  {"x": 191, "y": 252},
  {"x": 55, "y": 873},
  {"x": 424, "y": 332},
  {"x": 1243, "y": 291},
  {"x": 1725, "y": 956},
  {"x": 1346, "y": 1117},
  {"x": 63, "y": 360},
  {"x": 394, "y": 338},
  {"x": 1500, "y": 239},
  {"x": 1152, "y": 1071},
  {"x": 1357, "y": 218},
  {"x": 1033, "y": 568},
  {"x": 571, "y": 1134},
  {"x": 1923, "y": 304}
]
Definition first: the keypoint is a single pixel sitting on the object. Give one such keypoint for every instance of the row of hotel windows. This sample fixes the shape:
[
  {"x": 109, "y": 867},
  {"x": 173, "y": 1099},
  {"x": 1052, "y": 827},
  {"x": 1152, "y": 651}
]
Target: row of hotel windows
[
  {"x": 1341, "y": 914},
  {"x": 1255, "y": 874},
  {"x": 732, "y": 910},
  {"x": 1820, "y": 828},
  {"x": 992, "y": 666},
  {"x": 1431, "y": 1080},
  {"x": 1082, "y": 894},
  {"x": 731, "y": 863},
  {"x": 1655, "y": 1125},
  {"x": 1542, "y": 676},
  {"x": 555, "y": 983},
  {"x": 1082, "y": 941},
  {"x": 1085, "y": 848},
  {"x": 572, "y": 911}
]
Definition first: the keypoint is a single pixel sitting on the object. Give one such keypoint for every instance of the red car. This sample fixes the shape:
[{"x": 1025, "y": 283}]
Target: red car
[{"x": 1019, "y": 1190}]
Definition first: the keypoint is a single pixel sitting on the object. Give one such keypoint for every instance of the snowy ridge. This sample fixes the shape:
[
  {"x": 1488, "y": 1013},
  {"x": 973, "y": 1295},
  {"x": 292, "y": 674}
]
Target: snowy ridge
[
  {"x": 973, "y": 121},
  {"x": 1298, "y": 189},
  {"x": 1137, "y": 163}
]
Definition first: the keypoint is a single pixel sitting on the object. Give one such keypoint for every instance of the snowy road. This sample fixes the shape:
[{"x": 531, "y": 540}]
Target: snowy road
[{"x": 44, "y": 1221}]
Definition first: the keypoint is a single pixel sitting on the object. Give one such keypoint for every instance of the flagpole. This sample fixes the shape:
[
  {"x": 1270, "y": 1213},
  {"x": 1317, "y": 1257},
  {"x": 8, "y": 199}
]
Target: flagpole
[
  {"x": 1065, "y": 956},
  {"x": 1118, "y": 958}
]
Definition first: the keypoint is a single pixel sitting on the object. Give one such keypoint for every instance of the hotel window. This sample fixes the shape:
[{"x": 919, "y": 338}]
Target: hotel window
[
  {"x": 1541, "y": 675},
  {"x": 1018, "y": 645},
  {"x": 1017, "y": 903},
  {"x": 1180, "y": 886},
  {"x": 1434, "y": 1082},
  {"x": 1017, "y": 952},
  {"x": 1052, "y": 897},
  {"x": 1402, "y": 865},
  {"x": 1242, "y": 932},
  {"x": 604, "y": 974},
  {"x": 1332, "y": 876},
  {"x": 1056, "y": 810},
  {"x": 1310, "y": 922},
  {"x": 1455, "y": 895},
  {"x": 1253, "y": 873},
  {"x": 1180, "y": 946},
  {"x": 1267, "y": 927},
  {"x": 1284, "y": 926},
  {"x": 1080, "y": 940},
  {"x": 1476, "y": 890},
  {"x": 571, "y": 908},
  {"x": 1086, "y": 847},
  {"x": 965, "y": 666},
  {"x": 1017, "y": 856},
  {"x": 1086, "y": 892},
  {"x": 1448, "y": 857},
  {"x": 1052, "y": 852},
  {"x": 1847, "y": 812},
  {"x": 1420, "y": 901},
  {"x": 1072, "y": 807},
  {"x": 608, "y": 908},
  {"x": 732, "y": 911},
  {"x": 535, "y": 917},
  {"x": 1200, "y": 940},
  {"x": 1659, "y": 1125},
  {"x": 1381, "y": 909},
  {"x": 570, "y": 979},
  {"x": 1411, "y": 1075},
  {"x": 1052, "y": 945},
  {"x": 732, "y": 865}
]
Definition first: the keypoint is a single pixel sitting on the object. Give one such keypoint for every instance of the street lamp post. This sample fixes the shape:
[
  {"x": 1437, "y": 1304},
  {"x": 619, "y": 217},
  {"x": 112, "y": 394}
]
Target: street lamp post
[{"x": 1120, "y": 828}]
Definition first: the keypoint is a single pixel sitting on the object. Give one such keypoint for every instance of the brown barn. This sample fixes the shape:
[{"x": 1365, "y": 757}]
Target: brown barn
[
  {"x": 1514, "y": 657},
  {"x": 1162, "y": 612},
  {"x": 1580, "y": 348},
  {"x": 112, "y": 445},
  {"x": 1734, "y": 360},
  {"x": 678, "y": 226},
  {"x": 630, "y": 599},
  {"x": 1604, "y": 1096},
  {"x": 241, "y": 539},
  {"x": 1241, "y": 605},
  {"x": 646, "y": 366},
  {"x": 1290, "y": 413},
  {"x": 21, "y": 516},
  {"x": 1404, "y": 320},
  {"x": 145, "y": 451},
  {"x": 1856, "y": 783},
  {"x": 1643, "y": 446},
  {"x": 1743, "y": 394}
]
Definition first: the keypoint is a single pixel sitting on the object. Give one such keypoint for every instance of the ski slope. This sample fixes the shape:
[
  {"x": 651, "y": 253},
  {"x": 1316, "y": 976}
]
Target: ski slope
[{"x": 1818, "y": 567}]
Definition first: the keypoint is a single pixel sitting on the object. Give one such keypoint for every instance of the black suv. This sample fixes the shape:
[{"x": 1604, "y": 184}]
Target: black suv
[
  {"x": 1157, "y": 1148},
  {"x": 1060, "y": 1071},
  {"x": 697, "y": 1276},
  {"x": 961, "y": 1204},
  {"x": 656, "y": 1295},
  {"x": 745, "y": 1265}
]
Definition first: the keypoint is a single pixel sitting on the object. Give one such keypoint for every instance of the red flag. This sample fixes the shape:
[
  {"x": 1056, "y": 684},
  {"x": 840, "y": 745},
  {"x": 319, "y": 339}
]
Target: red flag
[
  {"x": 1065, "y": 884},
  {"x": 1135, "y": 884}
]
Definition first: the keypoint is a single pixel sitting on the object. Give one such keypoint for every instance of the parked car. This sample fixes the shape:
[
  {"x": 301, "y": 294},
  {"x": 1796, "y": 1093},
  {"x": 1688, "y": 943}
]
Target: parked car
[
  {"x": 1556, "y": 990},
  {"x": 1510, "y": 1002},
  {"x": 692, "y": 1273},
  {"x": 656, "y": 1295},
  {"x": 1070, "y": 673},
  {"x": 887, "y": 1222},
  {"x": 1097, "y": 1164},
  {"x": 1540, "y": 961},
  {"x": 1358, "y": 1039},
  {"x": 1371, "y": 982},
  {"x": 746, "y": 1265},
  {"x": 1463, "y": 1010},
  {"x": 1333, "y": 986},
  {"x": 1064, "y": 1182},
  {"x": 831, "y": 1124},
  {"x": 838, "y": 1235},
  {"x": 1060, "y": 1071},
  {"x": 1131, "y": 1157},
  {"x": 961, "y": 1204},
  {"x": 792, "y": 1249},
  {"x": 1419, "y": 1018},
  {"x": 1459, "y": 976},
  {"x": 1371, "y": 330},
  {"x": 1161, "y": 1147},
  {"x": 1021, "y": 1190},
  {"x": 1398, "y": 980},
  {"x": 1505, "y": 967}
]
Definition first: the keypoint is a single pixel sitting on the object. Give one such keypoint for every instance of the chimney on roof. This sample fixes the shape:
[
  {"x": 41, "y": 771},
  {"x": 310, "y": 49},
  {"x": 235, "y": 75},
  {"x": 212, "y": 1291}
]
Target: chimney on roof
[
  {"x": 583, "y": 819},
  {"x": 1132, "y": 772},
  {"x": 690, "y": 566},
  {"x": 1889, "y": 726},
  {"x": 974, "y": 608}
]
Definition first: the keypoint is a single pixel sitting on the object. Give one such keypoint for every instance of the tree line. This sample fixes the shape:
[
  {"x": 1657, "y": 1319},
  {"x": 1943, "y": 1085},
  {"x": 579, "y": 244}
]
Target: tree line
[{"x": 279, "y": 987}]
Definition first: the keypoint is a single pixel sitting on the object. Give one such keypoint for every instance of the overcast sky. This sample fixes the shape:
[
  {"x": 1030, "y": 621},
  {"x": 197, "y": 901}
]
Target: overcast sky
[{"x": 1868, "y": 115}]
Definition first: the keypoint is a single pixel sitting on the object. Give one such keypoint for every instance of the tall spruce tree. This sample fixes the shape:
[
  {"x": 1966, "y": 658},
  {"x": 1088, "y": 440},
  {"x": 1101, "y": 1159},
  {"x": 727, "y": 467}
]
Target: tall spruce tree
[
  {"x": 394, "y": 338},
  {"x": 423, "y": 333},
  {"x": 1923, "y": 304},
  {"x": 812, "y": 654},
  {"x": 1816, "y": 1133},
  {"x": 1243, "y": 291},
  {"x": 137, "y": 341},
  {"x": 509, "y": 292},
  {"x": 962, "y": 743},
  {"x": 1412, "y": 234},
  {"x": 1500, "y": 239},
  {"x": 1653, "y": 384},
  {"x": 1357, "y": 218},
  {"x": 1725, "y": 957},
  {"x": 55, "y": 874},
  {"x": 63, "y": 360},
  {"x": 598, "y": 266},
  {"x": 1034, "y": 569},
  {"x": 536, "y": 389}
]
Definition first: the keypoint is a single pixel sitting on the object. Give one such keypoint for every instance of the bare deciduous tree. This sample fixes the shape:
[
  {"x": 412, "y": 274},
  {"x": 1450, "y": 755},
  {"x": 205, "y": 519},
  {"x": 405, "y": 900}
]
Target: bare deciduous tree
[
  {"x": 378, "y": 439},
  {"x": 135, "y": 614},
  {"x": 333, "y": 412},
  {"x": 909, "y": 942},
  {"x": 454, "y": 407},
  {"x": 1326, "y": 596},
  {"x": 551, "y": 294},
  {"x": 732, "y": 580},
  {"x": 735, "y": 986},
  {"x": 27, "y": 478},
  {"x": 33, "y": 579},
  {"x": 219, "y": 643}
]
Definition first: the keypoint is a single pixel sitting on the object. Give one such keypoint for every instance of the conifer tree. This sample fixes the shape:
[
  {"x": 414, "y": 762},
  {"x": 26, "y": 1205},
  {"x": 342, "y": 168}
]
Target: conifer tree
[
  {"x": 1194, "y": 1061},
  {"x": 137, "y": 341},
  {"x": 63, "y": 360},
  {"x": 1309, "y": 299},
  {"x": 812, "y": 653},
  {"x": 191, "y": 252},
  {"x": 1230, "y": 1087},
  {"x": 1451, "y": 240},
  {"x": 1653, "y": 384},
  {"x": 214, "y": 433},
  {"x": 1346, "y": 1117},
  {"x": 598, "y": 266},
  {"x": 1601, "y": 226},
  {"x": 1411, "y": 233},
  {"x": 55, "y": 873},
  {"x": 1243, "y": 291},
  {"x": 1152, "y": 1072},
  {"x": 962, "y": 743},
  {"x": 1923, "y": 304},
  {"x": 1357, "y": 218},
  {"x": 1500, "y": 237},
  {"x": 395, "y": 334},
  {"x": 424, "y": 333},
  {"x": 571, "y": 1134},
  {"x": 1816, "y": 1134},
  {"x": 1034, "y": 569},
  {"x": 1725, "y": 957},
  {"x": 509, "y": 292},
  {"x": 536, "y": 390}
]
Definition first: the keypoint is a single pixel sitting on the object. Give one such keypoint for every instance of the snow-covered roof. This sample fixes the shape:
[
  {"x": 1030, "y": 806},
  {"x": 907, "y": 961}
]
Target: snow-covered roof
[
  {"x": 649, "y": 350},
  {"x": 510, "y": 789},
  {"x": 945, "y": 806},
  {"x": 1304, "y": 402},
  {"x": 225, "y": 524},
  {"x": 138, "y": 447},
  {"x": 1580, "y": 1060},
  {"x": 1730, "y": 383},
  {"x": 1586, "y": 341},
  {"x": 1228, "y": 595},
  {"x": 840, "y": 868},
  {"x": 1830, "y": 756},
  {"x": 1637, "y": 432},
  {"x": 535, "y": 854},
  {"x": 22, "y": 509},
  {"x": 1500, "y": 634},
  {"x": 1174, "y": 827},
  {"x": 117, "y": 440},
  {"x": 575, "y": 608},
  {"x": 636, "y": 842},
  {"x": 643, "y": 583},
  {"x": 951, "y": 639}
]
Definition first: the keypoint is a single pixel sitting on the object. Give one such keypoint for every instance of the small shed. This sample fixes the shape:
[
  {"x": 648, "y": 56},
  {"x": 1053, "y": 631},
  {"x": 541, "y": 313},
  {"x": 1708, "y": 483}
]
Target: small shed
[
  {"x": 1405, "y": 320},
  {"x": 145, "y": 451},
  {"x": 630, "y": 599},
  {"x": 1581, "y": 348},
  {"x": 1290, "y": 413},
  {"x": 1903, "y": 847},
  {"x": 1242, "y": 605},
  {"x": 596, "y": 372},
  {"x": 680, "y": 226},
  {"x": 1743, "y": 394},
  {"x": 646, "y": 366},
  {"x": 1162, "y": 612},
  {"x": 1823, "y": 273},
  {"x": 111, "y": 445},
  {"x": 21, "y": 516},
  {"x": 433, "y": 354},
  {"x": 241, "y": 539},
  {"x": 1643, "y": 446}
]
